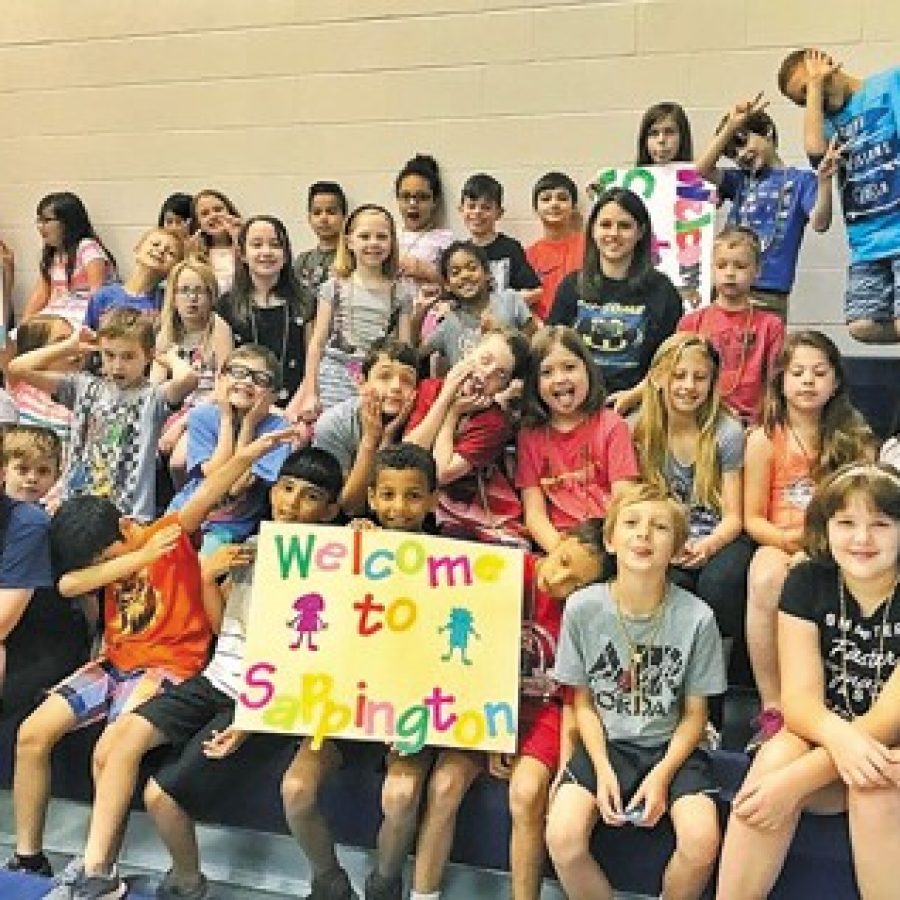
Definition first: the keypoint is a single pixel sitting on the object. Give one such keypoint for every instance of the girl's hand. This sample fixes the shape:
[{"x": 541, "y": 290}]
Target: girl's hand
[
  {"x": 363, "y": 525},
  {"x": 831, "y": 161},
  {"x": 621, "y": 402},
  {"x": 609, "y": 797},
  {"x": 409, "y": 266},
  {"x": 309, "y": 408},
  {"x": 194, "y": 246},
  {"x": 696, "y": 554},
  {"x": 861, "y": 761},
  {"x": 770, "y": 804},
  {"x": 233, "y": 225},
  {"x": 799, "y": 557},
  {"x": 510, "y": 395},
  {"x": 223, "y": 743}
]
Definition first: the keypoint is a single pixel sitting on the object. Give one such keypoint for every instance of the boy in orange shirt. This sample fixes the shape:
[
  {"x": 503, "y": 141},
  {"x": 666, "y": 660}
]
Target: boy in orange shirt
[
  {"x": 561, "y": 249},
  {"x": 156, "y": 628}
]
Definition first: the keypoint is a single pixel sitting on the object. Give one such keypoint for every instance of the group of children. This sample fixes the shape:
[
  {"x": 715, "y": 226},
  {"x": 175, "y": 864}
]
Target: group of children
[{"x": 479, "y": 390}]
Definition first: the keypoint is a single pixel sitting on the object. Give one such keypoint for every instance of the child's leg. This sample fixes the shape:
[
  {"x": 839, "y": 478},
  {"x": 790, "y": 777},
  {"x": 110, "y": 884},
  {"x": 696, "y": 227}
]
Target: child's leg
[
  {"x": 752, "y": 857},
  {"x": 573, "y": 815},
  {"x": 37, "y": 736},
  {"x": 118, "y": 757},
  {"x": 529, "y": 786},
  {"x": 765, "y": 579},
  {"x": 875, "y": 837},
  {"x": 299, "y": 793},
  {"x": 696, "y": 825},
  {"x": 453, "y": 774},
  {"x": 400, "y": 797},
  {"x": 176, "y": 830}
]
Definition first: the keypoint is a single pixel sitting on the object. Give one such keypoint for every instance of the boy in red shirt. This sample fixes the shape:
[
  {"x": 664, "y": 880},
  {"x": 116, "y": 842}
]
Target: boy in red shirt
[
  {"x": 156, "y": 628},
  {"x": 748, "y": 339},
  {"x": 561, "y": 249}
]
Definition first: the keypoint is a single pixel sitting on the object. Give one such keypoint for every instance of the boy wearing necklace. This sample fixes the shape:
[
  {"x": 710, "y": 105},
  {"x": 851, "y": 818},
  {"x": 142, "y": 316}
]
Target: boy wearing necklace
[
  {"x": 775, "y": 200},
  {"x": 641, "y": 656},
  {"x": 748, "y": 340}
]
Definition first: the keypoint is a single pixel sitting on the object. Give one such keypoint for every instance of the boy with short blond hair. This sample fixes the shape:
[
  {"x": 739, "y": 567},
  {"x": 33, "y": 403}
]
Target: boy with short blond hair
[
  {"x": 117, "y": 416},
  {"x": 41, "y": 637},
  {"x": 154, "y": 255}
]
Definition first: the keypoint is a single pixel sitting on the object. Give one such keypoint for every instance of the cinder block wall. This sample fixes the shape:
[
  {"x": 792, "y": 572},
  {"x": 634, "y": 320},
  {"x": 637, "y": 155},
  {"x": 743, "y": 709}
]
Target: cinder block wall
[{"x": 126, "y": 101}]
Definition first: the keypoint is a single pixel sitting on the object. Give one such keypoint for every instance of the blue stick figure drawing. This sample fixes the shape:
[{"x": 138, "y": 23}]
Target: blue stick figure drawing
[
  {"x": 461, "y": 627},
  {"x": 308, "y": 620}
]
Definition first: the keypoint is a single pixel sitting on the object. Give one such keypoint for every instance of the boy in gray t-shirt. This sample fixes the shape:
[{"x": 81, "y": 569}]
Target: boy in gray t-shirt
[{"x": 642, "y": 656}]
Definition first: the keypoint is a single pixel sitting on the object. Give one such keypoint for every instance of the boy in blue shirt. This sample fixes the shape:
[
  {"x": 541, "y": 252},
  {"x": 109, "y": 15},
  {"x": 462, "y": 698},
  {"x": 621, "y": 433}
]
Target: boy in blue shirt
[{"x": 863, "y": 115}]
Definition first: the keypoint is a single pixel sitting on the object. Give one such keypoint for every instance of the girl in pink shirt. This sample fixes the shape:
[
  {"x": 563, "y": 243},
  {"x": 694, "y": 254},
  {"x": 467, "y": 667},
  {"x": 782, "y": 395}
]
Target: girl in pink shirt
[
  {"x": 74, "y": 261},
  {"x": 572, "y": 450}
]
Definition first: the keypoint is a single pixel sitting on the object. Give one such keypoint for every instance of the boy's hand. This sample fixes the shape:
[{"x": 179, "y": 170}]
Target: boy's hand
[
  {"x": 363, "y": 525},
  {"x": 370, "y": 414},
  {"x": 653, "y": 795},
  {"x": 225, "y": 558},
  {"x": 831, "y": 161},
  {"x": 159, "y": 544},
  {"x": 222, "y": 743},
  {"x": 740, "y": 112},
  {"x": 820, "y": 66},
  {"x": 269, "y": 441},
  {"x": 258, "y": 412},
  {"x": 609, "y": 797},
  {"x": 309, "y": 407}
]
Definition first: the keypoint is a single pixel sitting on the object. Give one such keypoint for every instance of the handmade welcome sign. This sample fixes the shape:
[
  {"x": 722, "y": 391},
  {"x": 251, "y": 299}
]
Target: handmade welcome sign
[
  {"x": 682, "y": 209},
  {"x": 383, "y": 636}
]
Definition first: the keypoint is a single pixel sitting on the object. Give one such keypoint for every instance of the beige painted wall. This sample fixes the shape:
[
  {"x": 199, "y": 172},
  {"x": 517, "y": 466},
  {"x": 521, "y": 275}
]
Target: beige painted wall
[{"x": 123, "y": 101}]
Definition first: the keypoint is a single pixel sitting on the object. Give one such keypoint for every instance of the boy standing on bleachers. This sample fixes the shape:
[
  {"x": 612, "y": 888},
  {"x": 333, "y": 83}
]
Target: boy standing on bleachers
[
  {"x": 863, "y": 116},
  {"x": 117, "y": 416},
  {"x": 157, "y": 631}
]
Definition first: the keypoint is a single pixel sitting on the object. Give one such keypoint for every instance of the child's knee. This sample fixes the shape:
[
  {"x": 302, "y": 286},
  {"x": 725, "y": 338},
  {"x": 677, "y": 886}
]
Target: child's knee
[
  {"x": 527, "y": 798},
  {"x": 873, "y": 807},
  {"x": 698, "y": 840},
  {"x": 155, "y": 798},
  {"x": 400, "y": 796},
  {"x": 32, "y": 741},
  {"x": 299, "y": 791},
  {"x": 447, "y": 787},
  {"x": 565, "y": 838}
]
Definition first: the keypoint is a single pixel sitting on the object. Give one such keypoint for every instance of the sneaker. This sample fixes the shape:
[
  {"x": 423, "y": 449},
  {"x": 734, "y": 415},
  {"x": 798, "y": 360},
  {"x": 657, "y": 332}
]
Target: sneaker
[
  {"x": 89, "y": 887},
  {"x": 170, "y": 889},
  {"x": 70, "y": 872},
  {"x": 767, "y": 724},
  {"x": 380, "y": 888},
  {"x": 332, "y": 886},
  {"x": 15, "y": 864}
]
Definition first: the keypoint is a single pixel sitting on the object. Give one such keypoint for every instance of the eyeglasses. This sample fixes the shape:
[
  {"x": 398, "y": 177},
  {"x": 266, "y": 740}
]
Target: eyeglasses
[
  {"x": 195, "y": 292},
  {"x": 245, "y": 373},
  {"x": 45, "y": 220},
  {"x": 415, "y": 196}
]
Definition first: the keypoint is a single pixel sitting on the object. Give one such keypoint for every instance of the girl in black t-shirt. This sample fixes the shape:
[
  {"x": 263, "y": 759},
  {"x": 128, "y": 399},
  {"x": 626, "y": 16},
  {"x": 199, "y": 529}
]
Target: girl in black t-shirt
[{"x": 839, "y": 643}]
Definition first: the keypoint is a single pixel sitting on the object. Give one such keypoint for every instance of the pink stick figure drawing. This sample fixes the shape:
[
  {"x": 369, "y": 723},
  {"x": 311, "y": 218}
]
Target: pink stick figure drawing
[{"x": 308, "y": 620}]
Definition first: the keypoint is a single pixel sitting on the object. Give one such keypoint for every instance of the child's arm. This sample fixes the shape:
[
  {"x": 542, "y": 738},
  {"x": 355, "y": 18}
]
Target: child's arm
[
  {"x": 653, "y": 791},
  {"x": 37, "y": 300},
  {"x": 31, "y": 367},
  {"x": 757, "y": 483},
  {"x": 820, "y": 216},
  {"x": 215, "y": 486},
  {"x": 729, "y": 527},
  {"x": 628, "y": 399},
  {"x": 212, "y": 568},
  {"x": 308, "y": 406},
  {"x": 404, "y": 327},
  {"x": 451, "y": 466},
  {"x": 91, "y": 578},
  {"x": 593, "y": 737},
  {"x": 537, "y": 521},
  {"x": 246, "y": 434},
  {"x": 425, "y": 432},
  {"x": 737, "y": 116},
  {"x": 819, "y": 68},
  {"x": 221, "y": 341},
  {"x": 183, "y": 380},
  {"x": 224, "y": 447}
]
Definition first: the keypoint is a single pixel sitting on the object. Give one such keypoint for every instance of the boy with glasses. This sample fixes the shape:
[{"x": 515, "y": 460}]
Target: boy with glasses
[{"x": 239, "y": 414}]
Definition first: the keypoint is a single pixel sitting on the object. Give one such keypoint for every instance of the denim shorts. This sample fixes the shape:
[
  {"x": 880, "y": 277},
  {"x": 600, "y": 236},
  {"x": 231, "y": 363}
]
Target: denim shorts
[{"x": 873, "y": 290}]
